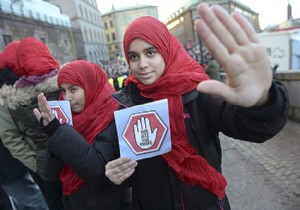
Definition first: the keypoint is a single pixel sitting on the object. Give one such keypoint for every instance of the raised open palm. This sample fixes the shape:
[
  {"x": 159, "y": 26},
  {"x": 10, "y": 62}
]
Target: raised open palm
[{"x": 235, "y": 45}]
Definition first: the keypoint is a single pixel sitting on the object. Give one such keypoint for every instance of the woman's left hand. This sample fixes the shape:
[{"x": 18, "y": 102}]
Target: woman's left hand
[
  {"x": 44, "y": 110},
  {"x": 235, "y": 45}
]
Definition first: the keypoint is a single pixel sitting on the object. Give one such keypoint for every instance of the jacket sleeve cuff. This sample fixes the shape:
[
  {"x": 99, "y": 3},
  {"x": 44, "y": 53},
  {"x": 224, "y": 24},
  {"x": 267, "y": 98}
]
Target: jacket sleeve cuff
[
  {"x": 51, "y": 128},
  {"x": 272, "y": 109}
]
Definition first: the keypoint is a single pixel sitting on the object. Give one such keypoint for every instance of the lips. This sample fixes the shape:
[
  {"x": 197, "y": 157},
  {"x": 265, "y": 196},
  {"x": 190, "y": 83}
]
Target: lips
[
  {"x": 73, "y": 106},
  {"x": 145, "y": 75}
]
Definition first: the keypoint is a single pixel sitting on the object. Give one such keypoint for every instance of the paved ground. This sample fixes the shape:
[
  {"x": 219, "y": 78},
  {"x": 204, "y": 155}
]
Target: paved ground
[{"x": 264, "y": 176}]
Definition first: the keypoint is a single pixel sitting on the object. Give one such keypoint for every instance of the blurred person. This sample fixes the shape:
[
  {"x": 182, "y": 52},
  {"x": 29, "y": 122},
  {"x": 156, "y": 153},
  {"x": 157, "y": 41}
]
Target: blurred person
[
  {"x": 77, "y": 155},
  {"x": 250, "y": 107},
  {"x": 213, "y": 69},
  {"x": 15, "y": 179},
  {"x": 37, "y": 70}
]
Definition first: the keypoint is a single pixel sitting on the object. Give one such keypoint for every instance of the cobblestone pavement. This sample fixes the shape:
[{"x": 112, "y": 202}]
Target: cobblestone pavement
[{"x": 264, "y": 176}]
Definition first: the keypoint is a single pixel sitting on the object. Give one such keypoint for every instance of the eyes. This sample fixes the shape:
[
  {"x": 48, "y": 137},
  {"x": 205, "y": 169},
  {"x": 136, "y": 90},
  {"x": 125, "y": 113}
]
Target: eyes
[
  {"x": 72, "y": 89},
  {"x": 149, "y": 53}
]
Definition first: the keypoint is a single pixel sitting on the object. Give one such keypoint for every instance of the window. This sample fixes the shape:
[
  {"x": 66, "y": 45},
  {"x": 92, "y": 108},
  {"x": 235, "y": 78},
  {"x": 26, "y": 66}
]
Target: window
[
  {"x": 105, "y": 25},
  {"x": 107, "y": 38},
  {"x": 111, "y": 24},
  {"x": 80, "y": 8},
  {"x": 43, "y": 39},
  {"x": 113, "y": 36},
  {"x": 7, "y": 39}
]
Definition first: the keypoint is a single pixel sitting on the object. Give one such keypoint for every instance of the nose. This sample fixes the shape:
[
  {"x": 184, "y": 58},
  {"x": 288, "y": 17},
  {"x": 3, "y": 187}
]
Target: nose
[
  {"x": 143, "y": 63},
  {"x": 67, "y": 96}
]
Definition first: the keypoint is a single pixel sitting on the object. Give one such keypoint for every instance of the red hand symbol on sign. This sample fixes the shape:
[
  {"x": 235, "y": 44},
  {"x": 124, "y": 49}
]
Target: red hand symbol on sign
[{"x": 59, "y": 114}]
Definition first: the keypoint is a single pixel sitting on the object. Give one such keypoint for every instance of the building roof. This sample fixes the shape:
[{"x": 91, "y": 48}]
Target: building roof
[{"x": 113, "y": 10}]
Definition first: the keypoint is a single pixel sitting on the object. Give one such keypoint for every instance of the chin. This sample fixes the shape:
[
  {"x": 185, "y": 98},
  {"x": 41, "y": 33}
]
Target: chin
[{"x": 147, "y": 82}]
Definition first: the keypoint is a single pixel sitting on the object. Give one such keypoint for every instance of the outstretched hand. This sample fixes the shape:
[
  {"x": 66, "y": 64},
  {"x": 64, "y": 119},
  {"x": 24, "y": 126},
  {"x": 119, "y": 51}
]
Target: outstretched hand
[
  {"x": 44, "y": 110},
  {"x": 235, "y": 45}
]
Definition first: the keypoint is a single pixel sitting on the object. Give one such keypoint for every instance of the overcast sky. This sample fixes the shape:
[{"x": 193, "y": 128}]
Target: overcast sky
[{"x": 270, "y": 11}]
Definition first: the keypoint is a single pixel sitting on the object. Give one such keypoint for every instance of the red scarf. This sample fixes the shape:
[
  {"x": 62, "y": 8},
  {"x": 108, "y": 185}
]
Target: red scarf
[
  {"x": 8, "y": 58},
  {"x": 34, "y": 57},
  {"x": 182, "y": 75},
  {"x": 98, "y": 109}
]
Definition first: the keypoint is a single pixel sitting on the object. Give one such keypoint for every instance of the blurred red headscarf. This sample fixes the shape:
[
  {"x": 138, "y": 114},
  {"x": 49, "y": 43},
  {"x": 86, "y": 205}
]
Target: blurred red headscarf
[
  {"x": 35, "y": 61},
  {"x": 34, "y": 57},
  {"x": 182, "y": 75},
  {"x": 8, "y": 58},
  {"x": 98, "y": 109}
]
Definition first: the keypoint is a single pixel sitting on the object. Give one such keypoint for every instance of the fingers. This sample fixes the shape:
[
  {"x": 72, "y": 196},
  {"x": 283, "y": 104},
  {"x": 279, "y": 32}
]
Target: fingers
[
  {"x": 120, "y": 169},
  {"x": 246, "y": 26},
  {"x": 232, "y": 27},
  {"x": 37, "y": 114},
  {"x": 214, "y": 45},
  {"x": 216, "y": 28},
  {"x": 44, "y": 109},
  {"x": 222, "y": 33}
]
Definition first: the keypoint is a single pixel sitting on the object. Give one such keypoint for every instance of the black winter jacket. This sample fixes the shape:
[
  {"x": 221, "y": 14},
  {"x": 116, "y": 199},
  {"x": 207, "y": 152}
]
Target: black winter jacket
[
  {"x": 11, "y": 169},
  {"x": 155, "y": 185},
  {"x": 67, "y": 146}
]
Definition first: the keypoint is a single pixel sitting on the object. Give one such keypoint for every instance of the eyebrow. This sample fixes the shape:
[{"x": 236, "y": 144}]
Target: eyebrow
[
  {"x": 71, "y": 86},
  {"x": 147, "y": 49}
]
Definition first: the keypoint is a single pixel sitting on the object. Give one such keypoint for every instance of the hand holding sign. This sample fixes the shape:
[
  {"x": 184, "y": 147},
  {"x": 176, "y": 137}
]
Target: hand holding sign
[
  {"x": 48, "y": 110},
  {"x": 144, "y": 136},
  {"x": 143, "y": 130}
]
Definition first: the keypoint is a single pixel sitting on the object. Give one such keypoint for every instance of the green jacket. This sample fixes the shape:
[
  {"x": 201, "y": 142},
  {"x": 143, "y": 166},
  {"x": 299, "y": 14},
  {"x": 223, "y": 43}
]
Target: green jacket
[{"x": 19, "y": 127}]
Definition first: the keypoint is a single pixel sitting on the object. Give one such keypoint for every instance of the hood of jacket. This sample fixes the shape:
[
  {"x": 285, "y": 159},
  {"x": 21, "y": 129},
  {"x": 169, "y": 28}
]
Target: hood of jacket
[{"x": 14, "y": 97}]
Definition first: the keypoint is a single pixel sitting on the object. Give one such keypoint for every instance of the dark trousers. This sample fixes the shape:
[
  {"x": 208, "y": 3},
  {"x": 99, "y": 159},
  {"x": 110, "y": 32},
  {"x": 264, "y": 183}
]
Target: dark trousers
[
  {"x": 4, "y": 200},
  {"x": 52, "y": 191}
]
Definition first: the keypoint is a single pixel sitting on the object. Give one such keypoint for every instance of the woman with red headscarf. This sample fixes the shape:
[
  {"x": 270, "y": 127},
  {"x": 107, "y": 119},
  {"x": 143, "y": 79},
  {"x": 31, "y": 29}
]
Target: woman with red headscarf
[
  {"x": 15, "y": 179},
  {"x": 189, "y": 176},
  {"x": 37, "y": 70},
  {"x": 79, "y": 153}
]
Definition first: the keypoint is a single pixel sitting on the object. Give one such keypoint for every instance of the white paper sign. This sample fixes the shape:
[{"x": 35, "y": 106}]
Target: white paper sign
[
  {"x": 144, "y": 130},
  {"x": 62, "y": 111}
]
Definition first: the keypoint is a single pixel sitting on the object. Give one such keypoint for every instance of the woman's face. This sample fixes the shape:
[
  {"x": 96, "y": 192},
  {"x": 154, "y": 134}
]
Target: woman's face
[
  {"x": 145, "y": 62},
  {"x": 74, "y": 94}
]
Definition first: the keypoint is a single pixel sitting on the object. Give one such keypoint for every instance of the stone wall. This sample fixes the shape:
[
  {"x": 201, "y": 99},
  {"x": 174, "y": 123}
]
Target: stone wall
[
  {"x": 65, "y": 44},
  {"x": 291, "y": 80}
]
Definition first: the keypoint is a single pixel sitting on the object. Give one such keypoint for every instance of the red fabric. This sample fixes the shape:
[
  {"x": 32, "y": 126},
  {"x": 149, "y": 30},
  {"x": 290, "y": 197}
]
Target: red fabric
[
  {"x": 182, "y": 75},
  {"x": 34, "y": 57},
  {"x": 8, "y": 58},
  {"x": 97, "y": 113}
]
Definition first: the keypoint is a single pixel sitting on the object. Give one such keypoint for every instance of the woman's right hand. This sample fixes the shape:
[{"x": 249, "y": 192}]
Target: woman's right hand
[{"x": 120, "y": 169}]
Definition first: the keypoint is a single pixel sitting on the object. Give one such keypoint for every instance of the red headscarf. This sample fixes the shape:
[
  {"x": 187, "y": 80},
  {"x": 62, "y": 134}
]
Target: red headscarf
[
  {"x": 98, "y": 109},
  {"x": 34, "y": 57},
  {"x": 8, "y": 58},
  {"x": 182, "y": 75}
]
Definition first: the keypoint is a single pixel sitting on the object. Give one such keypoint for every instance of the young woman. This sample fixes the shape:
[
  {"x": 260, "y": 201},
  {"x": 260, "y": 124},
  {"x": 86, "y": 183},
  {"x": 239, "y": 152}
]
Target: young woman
[
  {"x": 78, "y": 155},
  {"x": 250, "y": 107}
]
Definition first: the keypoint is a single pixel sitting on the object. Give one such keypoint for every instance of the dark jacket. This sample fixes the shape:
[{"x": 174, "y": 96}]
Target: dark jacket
[
  {"x": 10, "y": 168},
  {"x": 67, "y": 146},
  {"x": 157, "y": 187}
]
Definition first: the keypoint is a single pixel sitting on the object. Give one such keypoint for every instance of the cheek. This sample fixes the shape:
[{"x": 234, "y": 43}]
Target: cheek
[{"x": 133, "y": 68}]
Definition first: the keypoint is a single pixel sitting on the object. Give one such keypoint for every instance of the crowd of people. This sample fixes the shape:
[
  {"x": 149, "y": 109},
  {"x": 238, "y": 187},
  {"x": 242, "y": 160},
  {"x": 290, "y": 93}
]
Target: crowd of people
[{"x": 47, "y": 164}]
